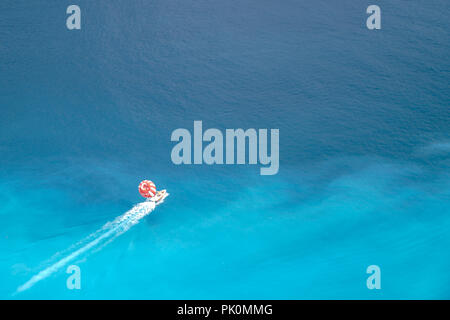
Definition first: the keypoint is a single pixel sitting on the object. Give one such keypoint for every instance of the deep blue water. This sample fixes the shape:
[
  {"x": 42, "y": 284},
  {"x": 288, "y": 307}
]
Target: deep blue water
[{"x": 364, "y": 126}]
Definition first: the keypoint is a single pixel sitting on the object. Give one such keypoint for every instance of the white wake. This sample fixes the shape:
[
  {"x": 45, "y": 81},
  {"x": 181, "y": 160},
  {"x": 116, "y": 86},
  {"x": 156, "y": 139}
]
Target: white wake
[{"x": 103, "y": 236}]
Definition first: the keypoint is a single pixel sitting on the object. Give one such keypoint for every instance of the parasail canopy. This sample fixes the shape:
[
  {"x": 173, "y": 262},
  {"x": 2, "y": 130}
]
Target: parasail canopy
[{"x": 147, "y": 189}]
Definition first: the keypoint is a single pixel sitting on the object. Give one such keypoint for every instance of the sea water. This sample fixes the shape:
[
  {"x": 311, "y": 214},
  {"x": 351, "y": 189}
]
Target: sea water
[{"x": 363, "y": 118}]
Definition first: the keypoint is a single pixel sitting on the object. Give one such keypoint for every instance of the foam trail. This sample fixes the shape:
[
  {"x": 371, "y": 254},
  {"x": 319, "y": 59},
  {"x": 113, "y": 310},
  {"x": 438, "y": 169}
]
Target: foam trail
[{"x": 109, "y": 231}]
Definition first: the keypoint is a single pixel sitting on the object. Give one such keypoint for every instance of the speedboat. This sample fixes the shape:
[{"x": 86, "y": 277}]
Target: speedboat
[{"x": 159, "y": 196}]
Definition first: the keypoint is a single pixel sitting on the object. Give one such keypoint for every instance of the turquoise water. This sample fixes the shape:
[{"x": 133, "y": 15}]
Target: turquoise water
[{"x": 364, "y": 149}]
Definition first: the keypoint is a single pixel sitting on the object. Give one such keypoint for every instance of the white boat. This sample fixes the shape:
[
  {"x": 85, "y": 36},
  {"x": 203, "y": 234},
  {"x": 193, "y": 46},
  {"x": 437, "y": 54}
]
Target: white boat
[{"x": 159, "y": 196}]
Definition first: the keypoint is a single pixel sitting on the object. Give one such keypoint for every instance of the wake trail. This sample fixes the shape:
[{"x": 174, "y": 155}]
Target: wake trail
[{"x": 104, "y": 235}]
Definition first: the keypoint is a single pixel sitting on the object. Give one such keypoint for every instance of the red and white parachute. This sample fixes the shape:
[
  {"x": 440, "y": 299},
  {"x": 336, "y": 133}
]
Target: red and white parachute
[{"x": 147, "y": 189}]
